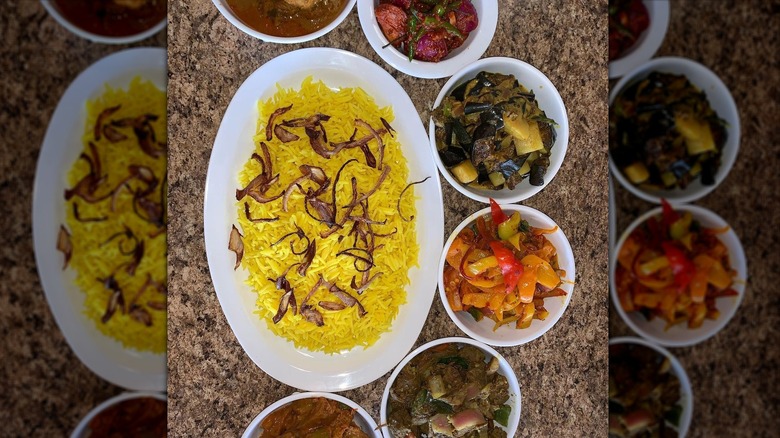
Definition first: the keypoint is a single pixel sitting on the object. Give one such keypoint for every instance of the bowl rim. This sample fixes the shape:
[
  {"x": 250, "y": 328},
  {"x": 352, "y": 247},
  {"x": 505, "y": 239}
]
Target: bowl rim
[
  {"x": 233, "y": 19},
  {"x": 81, "y": 427},
  {"x": 52, "y": 9},
  {"x": 472, "y": 49},
  {"x": 648, "y": 43},
  {"x": 514, "y": 383},
  {"x": 564, "y": 249},
  {"x": 359, "y": 410},
  {"x": 679, "y": 371},
  {"x": 674, "y": 64},
  {"x": 562, "y": 132},
  {"x": 736, "y": 256}
]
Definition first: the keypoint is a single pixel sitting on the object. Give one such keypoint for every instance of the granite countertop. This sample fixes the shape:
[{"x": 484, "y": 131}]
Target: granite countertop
[
  {"x": 734, "y": 375},
  {"x": 46, "y": 389},
  {"x": 214, "y": 387}
]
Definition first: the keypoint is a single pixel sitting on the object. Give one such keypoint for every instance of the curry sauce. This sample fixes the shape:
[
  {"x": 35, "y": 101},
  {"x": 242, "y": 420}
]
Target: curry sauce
[
  {"x": 287, "y": 18},
  {"x": 113, "y": 18}
]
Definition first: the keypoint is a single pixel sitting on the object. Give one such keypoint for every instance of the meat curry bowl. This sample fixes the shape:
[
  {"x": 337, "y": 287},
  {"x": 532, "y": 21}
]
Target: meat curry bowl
[
  {"x": 313, "y": 414},
  {"x": 426, "y": 38},
  {"x": 451, "y": 387},
  {"x": 499, "y": 129},
  {"x": 285, "y": 21}
]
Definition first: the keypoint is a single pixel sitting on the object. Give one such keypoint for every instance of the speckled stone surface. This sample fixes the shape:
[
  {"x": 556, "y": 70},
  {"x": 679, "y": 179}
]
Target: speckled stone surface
[
  {"x": 214, "y": 387},
  {"x": 46, "y": 390},
  {"x": 734, "y": 375}
]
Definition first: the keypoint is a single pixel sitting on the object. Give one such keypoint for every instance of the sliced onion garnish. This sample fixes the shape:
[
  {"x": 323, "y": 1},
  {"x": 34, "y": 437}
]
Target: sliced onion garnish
[
  {"x": 310, "y": 121},
  {"x": 345, "y": 298},
  {"x": 281, "y": 283},
  {"x": 332, "y": 305},
  {"x": 287, "y": 300},
  {"x": 138, "y": 254},
  {"x": 312, "y": 315},
  {"x": 316, "y": 142},
  {"x": 268, "y": 164},
  {"x": 365, "y": 196},
  {"x": 64, "y": 245},
  {"x": 140, "y": 314},
  {"x": 141, "y": 290},
  {"x": 387, "y": 126},
  {"x": 284, "y": 135},
  {"x": 307, "y": 258},
  {"x": 366, "y": 220},
  {"x": 398, "y": 204},
  {"x": 395, "y": 230},
  {"x": 236, "y": 245},
  {"x": 156, "y": 305},
  {"x": 117, "y": 298},
  {"x": 378, "y": 138},
  {"x": 261, "y": 183},
  {"x": 314, "y": 288},
  {"x": 324, "y": 133},
  {"x": 301, "y": 235},
  {"x": 278, "y": 112},
  {"x": 86, "y": 187},
  {"x": 366, "y": 283},
  {"x": 113, "y": 135},
  {"x": 288, "y": 191},
  {"x": 85, "y": 219},
  {"x": 153, "y": 210},
  {"x": 101, "y": 117},
  {"x": 117, "y": 191},
  {"x": 147, "y": 140},
  {"x": 259, "y": 219},
  {"x": 324, "y": 210},
  {"x": 368, "y": 259}
]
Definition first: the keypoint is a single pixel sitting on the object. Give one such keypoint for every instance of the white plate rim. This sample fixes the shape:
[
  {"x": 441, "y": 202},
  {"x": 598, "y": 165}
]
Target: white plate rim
[
  {"x": 504, "y": 365},
  {"x": 736, "y": 258},
  {"x": 102, "y": 355},
  {"x": 219, "y": 214},
  {"x": 472, "y": 49},
  {"x": 535, "y": 218},
  {"x": 364, "y": 415},
  {"x": 649, "y": 41}
]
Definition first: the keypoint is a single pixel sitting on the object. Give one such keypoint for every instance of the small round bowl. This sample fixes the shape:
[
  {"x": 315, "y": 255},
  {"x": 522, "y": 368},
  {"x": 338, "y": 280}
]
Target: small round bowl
[
  {"x": 680, "y": 335},
  {"x": 52, "y": 9},
  {"x": 720, "y": 100},
  {"x": 82, "y": 429},
  {"x": 228, "y": 13},
  {"x": 362, "y": 419},
  {"x": 647, "y": 44},
  {"x": 504, "y": 368},
  {"x": 549, "y": 101},
  {"x": 686, "y": 393},
  {"x": 507, "y": 335},
  {"x": 471, "y": 50}
]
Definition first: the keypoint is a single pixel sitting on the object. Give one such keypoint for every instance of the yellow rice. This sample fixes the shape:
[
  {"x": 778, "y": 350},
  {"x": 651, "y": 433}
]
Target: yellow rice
[
  {"x": 343, "y": 329},
  {"x": 91, "y": 260}
]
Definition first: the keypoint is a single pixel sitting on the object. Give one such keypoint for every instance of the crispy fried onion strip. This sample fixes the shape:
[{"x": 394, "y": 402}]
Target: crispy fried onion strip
[
  {"x": 101, "y": 120},
  {"x": 88, "y": 185},
  {"x": 288, "y": 298},
  {"x": 236, "y": 244},
  {"x": 344, "y": 297},
  {"x": 258, "y": 219},
  {"x": 117, "y": 299},
  {"x": 261, "y": 183},
  {"x": 398, "y": 204},
  {"x": 278, "y": 112},
  {"x": 64, "y": 245}
]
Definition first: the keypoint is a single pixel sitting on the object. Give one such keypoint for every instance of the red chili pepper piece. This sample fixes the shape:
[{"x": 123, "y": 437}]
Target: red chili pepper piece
[
  {"x": 669, "y": 215},
  {"x": 682, "y": 267},
  {"x": 511, "y": 268},
  {"x": 496, "y": 212}
]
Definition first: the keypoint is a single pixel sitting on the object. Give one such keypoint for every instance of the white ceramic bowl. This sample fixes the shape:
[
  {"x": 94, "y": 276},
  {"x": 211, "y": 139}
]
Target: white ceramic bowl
[
  {"x": 686, "y": 393},
  {"x": 504, "y": 369},
  {"x": 471, "y": 50},
  {"x": 680, "y": 335},
  {"x": 720, "y": 100},
  {"x": 508, "y": 335},
  {"x": 362, "y": 419},
  {"x": 549, "y": 101},
  {"x": 52, "y": 9},
  {"x": 82, "y": 429},
  {"x": 648, "y": 43},
  {"x": 228, "y": 13}
]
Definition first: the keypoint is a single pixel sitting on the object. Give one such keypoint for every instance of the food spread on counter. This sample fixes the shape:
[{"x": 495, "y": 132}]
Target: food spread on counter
[
  {"x": 142, "y": 417},
  {"x": 328, "y": 239},
  {"x": 116, "y": 216},
  {"x": 113, "y": 18},
  {"x": 287, "y": 18},
  {"x": 491, "y": 133},
  {"x": 627, "y": 20},
  {"x": 449, "y": 390},
  {"x": 316, "y": 417},
  {"x": 644, "y": 393},
  {"x": 502, "y": 268},
  {"x": 672, "y": 268},
  {"x": 663, "y": 133},
  {"x": 426, "y": 30}
]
